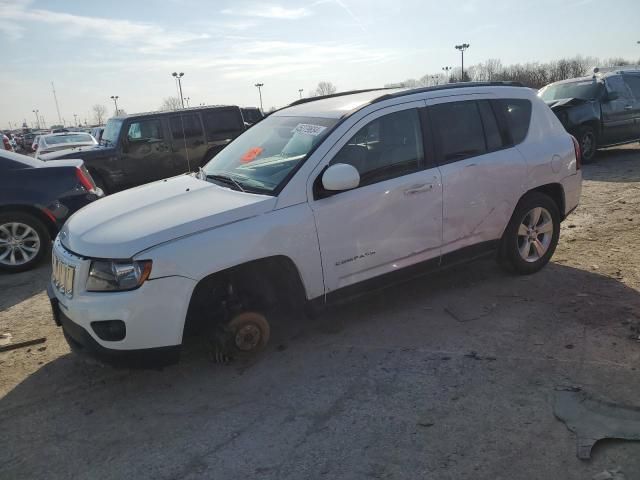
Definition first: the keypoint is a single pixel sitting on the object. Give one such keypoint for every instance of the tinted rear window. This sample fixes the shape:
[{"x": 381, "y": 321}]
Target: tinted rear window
[
  {"x": 189, "y": 124},
  {"x": 222, "y": 121},
  {"x": 458, "y": 130},
  {"x": 517, "y": 115}
]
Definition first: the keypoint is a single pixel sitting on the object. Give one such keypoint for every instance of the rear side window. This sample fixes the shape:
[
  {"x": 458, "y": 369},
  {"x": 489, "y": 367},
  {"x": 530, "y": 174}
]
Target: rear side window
[
  {"x": 218, "y": 122},
  {"x": 458, "y": 130},
  {"x": 617, "y": 84},
  {"x": 491, "y": 130},
  {"x": 189, "y": 124},
  {"x": 633, "y": 81},
  {"x": 517, "y": 116}
]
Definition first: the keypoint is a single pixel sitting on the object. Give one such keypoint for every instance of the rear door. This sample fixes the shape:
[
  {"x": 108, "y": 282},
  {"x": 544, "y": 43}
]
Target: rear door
[
  {"x": 482, "y": 172},
  {"x": 618, "y": 122},
  {"x": 146, "y": 154},
  {"x": 188, "y": 143},
  {"x": 633, "y": 82}
]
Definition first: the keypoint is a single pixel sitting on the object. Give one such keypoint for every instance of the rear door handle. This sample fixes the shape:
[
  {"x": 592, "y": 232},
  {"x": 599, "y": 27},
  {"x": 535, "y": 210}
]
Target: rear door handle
[
  {"x": 419, "y": 189},
  {"x": 628, "y": 107}
]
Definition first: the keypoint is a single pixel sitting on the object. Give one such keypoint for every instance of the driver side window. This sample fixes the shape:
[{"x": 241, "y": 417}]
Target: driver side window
[
  {"x": 144, "y": 130},
  {"x": 388, "y": 147}
]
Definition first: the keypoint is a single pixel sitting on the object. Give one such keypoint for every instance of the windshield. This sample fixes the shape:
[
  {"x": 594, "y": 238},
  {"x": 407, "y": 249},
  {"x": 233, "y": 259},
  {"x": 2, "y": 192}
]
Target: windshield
[
  {"x": 111, "y": 132},
  {"x": 586, "y": 90},
  {"x": 73, "y": 138},
  {"x": 260, "y": 159}
]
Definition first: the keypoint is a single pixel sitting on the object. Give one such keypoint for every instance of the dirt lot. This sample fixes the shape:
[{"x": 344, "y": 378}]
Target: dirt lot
[{"x": 386, "y": 387}]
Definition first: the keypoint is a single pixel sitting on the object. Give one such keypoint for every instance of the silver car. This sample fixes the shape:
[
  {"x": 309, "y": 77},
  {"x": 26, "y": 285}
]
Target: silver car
[{"x": 62, "y": 141}]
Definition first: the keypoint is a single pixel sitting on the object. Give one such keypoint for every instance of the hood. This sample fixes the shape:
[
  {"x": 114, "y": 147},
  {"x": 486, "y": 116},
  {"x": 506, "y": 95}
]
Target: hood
[
  {"x": 565, "y": 102},
  {"x": 90, "y": 151},
  {"x": 121, "y": 225}
]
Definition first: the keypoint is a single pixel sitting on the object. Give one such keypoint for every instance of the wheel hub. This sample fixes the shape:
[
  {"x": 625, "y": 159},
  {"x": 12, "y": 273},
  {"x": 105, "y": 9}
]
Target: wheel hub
[{"x": 248, "y": 337}]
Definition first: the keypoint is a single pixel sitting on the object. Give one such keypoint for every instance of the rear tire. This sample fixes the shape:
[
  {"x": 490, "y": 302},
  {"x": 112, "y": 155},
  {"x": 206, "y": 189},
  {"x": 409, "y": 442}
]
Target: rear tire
[
  {"x": 588, "y": 141},
  {"x": 24, "y": 241},
  {"x": 532, "y": 234}
]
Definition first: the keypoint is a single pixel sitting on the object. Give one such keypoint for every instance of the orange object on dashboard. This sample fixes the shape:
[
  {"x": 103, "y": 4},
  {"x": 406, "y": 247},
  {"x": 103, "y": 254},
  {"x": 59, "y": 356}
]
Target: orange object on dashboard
[{"x": 251, "y": 154}]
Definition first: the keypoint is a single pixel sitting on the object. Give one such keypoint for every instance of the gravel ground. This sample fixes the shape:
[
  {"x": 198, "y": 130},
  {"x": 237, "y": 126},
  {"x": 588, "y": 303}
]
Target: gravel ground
[{"x": 448, "y": 377}]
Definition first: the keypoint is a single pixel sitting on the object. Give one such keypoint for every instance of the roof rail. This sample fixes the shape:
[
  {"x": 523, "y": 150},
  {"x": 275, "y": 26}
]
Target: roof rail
[
  {"x": 179, "y": 110},
  {"x": 407, "y": 91},
  {"x": 616, "y": 69},
  {"x": 333, "y": 95},
  {"x": 448, "y": 86}
]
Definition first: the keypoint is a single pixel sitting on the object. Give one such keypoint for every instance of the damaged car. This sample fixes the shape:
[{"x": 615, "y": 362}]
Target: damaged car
[
  {"x": 323, "y": 200},
  {"x": 602, "y": 110}
]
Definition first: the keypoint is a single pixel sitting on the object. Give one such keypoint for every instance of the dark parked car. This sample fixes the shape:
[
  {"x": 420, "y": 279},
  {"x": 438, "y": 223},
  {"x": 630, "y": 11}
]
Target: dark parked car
[
  {"x": 36, "y": 198},
  {"x": 251, "y": 115},
  {"x": 141, "y": 148},
  {"x": 600, "y": 111}
]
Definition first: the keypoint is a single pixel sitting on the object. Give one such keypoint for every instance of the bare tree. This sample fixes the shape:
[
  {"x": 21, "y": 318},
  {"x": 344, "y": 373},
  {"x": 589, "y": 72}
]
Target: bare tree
[
  {"x": 99, "y": 113},
  {"x": 325, "y": 88},
  {"x": 171, "y": 103}
]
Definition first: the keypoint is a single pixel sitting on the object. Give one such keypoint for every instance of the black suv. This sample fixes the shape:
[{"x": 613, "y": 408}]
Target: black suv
[
  {"x": 144, "y": 147},
  {"x": 600, "y": 111}
]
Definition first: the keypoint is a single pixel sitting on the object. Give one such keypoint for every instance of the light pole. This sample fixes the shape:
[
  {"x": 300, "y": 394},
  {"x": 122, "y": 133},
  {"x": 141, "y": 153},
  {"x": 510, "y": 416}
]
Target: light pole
[
  {"x": 115, "y": 102},
  {"x": 300, "y": 90},
  {"x": 178, "y": 76},
  {"x": 259, "y": 87},
  {"x": 186, "y": 99},
  {"x": 462, "y": 47},
  {"x": 446, "y": 71},
  {"x": 75, "y": 119},
  {"x": 36, "y": 111}
]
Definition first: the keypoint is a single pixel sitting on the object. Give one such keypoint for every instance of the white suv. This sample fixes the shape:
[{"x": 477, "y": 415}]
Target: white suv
[{"x": 313, "y": 203}]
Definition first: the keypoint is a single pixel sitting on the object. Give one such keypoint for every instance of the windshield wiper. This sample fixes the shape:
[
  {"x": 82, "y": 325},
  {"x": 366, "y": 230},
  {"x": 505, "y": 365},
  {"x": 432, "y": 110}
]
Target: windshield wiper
[{"x": 225, "y": 178}]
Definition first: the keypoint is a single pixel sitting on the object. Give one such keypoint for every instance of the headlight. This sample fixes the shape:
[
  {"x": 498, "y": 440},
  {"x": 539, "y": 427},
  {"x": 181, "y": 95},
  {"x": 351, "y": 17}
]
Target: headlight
[{"x": 114, "y": 276}]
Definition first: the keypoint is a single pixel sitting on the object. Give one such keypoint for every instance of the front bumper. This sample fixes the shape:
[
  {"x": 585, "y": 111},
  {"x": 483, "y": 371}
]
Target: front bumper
[
  {"x": 153, "y": 315},
  {"x": 81, "y": 342}
]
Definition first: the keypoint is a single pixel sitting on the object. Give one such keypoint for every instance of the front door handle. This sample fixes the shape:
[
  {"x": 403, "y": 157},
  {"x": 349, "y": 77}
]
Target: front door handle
[
  {"x": 426, "y": 187},
  {"x": 628, "y": 107}
]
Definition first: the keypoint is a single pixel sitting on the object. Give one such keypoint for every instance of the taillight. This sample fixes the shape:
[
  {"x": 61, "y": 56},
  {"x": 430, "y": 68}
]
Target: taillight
[
  {"x": 576, "y": 147},
  {"x": 7, "y": 144},
  {"x": 85, "y": 179}
]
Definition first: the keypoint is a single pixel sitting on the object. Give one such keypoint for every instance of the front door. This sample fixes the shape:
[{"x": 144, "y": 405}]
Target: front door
[
  {"x": 146, "y": 155},
  {"x": 394, "y": 218},
  {"x": 188, "y": 143},
  {"x": 618, "y": 122}
]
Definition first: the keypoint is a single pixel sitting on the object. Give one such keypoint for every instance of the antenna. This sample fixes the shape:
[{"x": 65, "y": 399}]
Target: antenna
[{"x": 56, "y": 100}]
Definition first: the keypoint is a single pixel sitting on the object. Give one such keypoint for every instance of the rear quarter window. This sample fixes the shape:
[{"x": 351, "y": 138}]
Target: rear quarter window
[{"x": 516, "y": 113}]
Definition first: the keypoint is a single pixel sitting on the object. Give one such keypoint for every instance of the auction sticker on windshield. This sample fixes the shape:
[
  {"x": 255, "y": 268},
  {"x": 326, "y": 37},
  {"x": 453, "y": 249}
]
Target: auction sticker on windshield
[{"x": 308, "y": 129}]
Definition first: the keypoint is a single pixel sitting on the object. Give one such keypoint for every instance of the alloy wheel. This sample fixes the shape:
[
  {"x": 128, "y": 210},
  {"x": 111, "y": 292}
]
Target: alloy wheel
[
  {"x": 19, "y": 243},
  {"x": 535, "y": 234}
]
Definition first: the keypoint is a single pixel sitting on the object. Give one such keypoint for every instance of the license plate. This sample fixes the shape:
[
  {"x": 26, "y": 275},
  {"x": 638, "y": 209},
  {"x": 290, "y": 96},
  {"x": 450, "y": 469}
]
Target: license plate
[{"x": 62, "y": 276}]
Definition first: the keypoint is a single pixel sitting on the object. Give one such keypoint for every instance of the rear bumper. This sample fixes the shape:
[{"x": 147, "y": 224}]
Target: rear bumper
[
  {"x": 572, "y": 186},
  {"x": 81, "y": 341}
]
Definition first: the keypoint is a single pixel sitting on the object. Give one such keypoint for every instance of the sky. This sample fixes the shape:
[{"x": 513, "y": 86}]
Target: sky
[{"x": 93, "y": 50}]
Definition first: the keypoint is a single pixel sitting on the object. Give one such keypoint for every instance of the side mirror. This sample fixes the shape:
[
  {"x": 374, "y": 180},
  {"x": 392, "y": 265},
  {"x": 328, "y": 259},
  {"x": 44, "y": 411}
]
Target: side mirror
[
  {"x": 611, "y": 96},
  {"x": 339, "y": 177}
]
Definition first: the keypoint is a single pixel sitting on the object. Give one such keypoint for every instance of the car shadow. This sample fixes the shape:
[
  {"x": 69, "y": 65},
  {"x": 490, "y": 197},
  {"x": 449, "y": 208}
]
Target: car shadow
[
  {"x": 68, "y": 401},
  {"x": 17, "y": 287},
  {"x": 618, "y": 164}
]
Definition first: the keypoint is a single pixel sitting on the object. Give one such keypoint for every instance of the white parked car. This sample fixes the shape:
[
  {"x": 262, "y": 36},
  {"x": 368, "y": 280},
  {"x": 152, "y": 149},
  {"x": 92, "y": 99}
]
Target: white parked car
[
  {"x": 316, "y": 202},
  {"x": 6, "y": 143},
  {"x": 63, "y": 141}
]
